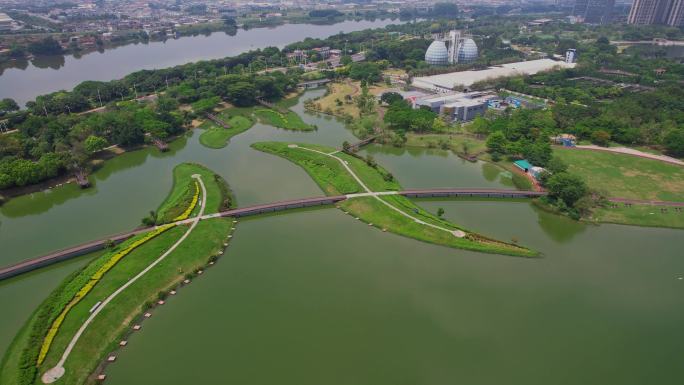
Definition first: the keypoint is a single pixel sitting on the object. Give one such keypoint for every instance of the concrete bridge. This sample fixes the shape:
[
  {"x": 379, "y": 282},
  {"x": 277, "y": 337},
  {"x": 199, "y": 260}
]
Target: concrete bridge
[
  {"x": 470, "y": 193},
  {"x": 89, "y": 247}
]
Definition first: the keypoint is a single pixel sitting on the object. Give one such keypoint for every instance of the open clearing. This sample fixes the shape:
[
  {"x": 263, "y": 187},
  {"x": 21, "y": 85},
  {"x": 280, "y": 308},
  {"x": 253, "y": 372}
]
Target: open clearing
[{"x": 626, "y": 176}]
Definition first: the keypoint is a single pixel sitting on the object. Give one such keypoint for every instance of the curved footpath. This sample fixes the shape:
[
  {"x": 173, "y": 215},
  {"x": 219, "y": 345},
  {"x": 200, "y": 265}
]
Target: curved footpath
[
  {"x": 58, "y": 371},
  {"x": 89, "y": 247}
]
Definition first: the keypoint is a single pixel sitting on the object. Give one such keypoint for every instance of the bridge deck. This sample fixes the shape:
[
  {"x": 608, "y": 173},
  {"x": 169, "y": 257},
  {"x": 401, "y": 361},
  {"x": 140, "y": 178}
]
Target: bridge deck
[{"x": 61, "y": 255}]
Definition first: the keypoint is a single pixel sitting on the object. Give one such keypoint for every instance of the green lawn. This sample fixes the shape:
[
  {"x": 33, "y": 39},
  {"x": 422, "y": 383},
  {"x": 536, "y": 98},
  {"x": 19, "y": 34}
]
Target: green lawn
[
  {"x": 215, "y": 136},
  {"x": 460, "y": 144},
  {"x": 372, "y": 211},
  {"x": 640, "y": 215},
  {"x": 626, "y": 176},
  {"x": 289, "y": 121},
  {"x": 333, "y": 178},
  {"x": 375, "y": 178},
  {"x": 103, "y": 333},
  {"x": 183, "y": 189},
  {"x": 327, "y": 172}
]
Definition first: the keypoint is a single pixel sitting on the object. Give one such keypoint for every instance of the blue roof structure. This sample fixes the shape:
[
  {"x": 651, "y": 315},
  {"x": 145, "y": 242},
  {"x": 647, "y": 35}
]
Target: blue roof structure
[{"x": 523, "y": 164}]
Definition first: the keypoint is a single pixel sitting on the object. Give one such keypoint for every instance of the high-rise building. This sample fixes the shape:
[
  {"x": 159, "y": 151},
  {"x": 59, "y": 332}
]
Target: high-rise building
[
  {"x": 570, "y": 55},
  {"x": 594, "y": 11},
  {"x": 675, "y": 15},
  {"x": 645, "y": 12}
]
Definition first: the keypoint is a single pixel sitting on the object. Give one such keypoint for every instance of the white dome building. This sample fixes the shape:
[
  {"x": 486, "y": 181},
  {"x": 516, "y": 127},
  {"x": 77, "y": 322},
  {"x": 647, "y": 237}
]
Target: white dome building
[
  {"x": 467, "y": 51},
  {"x": 437, "y": 54}
]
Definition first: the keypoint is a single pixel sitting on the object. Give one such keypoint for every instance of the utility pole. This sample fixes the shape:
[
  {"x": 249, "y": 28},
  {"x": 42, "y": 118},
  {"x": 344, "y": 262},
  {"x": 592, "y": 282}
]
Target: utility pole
[
  {"x": 135, "y": 90},
  {"x": 99, "y": 97},
  {"x": 166, "y": 79}
]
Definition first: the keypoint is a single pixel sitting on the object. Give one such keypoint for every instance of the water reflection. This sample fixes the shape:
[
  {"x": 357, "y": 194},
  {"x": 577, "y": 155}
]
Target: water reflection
[
  {"x": 559, "y": 228},
  {"x": 53, "y": 61}
]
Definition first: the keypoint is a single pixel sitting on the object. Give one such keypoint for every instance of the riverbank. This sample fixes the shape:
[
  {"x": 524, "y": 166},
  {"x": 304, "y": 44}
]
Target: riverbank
[
  {"x": 64, "y": 73},
  {"x": 207, "y": 241}
]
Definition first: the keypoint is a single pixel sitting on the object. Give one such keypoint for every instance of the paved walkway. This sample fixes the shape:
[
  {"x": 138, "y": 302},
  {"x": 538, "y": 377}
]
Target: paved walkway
[
  {"x": 633, "y": 152},
  {"x": 58, "y": 371},
  {"x": 376, "y": 195}
]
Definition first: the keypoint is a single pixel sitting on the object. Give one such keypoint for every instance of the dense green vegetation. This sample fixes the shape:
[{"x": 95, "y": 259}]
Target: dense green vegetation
[
  {"x": 289, "y": 120},
  {"x": 19, "y": 366},
  {"x": 401, "y": 117},
  {"x": 215, "y": 136}
]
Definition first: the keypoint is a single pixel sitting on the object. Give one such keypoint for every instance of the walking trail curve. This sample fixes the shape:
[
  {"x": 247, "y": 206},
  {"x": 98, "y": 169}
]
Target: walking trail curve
[
  {"x": 376, "y": 195},
  {"x": 633, "y": 152},
  {"x": 58, "y": 371}
]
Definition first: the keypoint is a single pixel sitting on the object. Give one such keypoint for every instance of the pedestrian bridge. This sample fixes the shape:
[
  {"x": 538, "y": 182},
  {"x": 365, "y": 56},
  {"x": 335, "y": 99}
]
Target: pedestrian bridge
[{"x": 89, "y": 247}]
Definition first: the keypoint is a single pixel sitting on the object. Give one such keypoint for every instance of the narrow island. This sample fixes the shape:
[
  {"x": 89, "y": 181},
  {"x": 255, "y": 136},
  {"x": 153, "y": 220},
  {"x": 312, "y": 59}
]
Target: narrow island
[
  {"x": 86, "y": 317},
  {"x": 372, "y": 197}
]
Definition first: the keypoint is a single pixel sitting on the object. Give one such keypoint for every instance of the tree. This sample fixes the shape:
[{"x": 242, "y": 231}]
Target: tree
[
  {"x": 94, "y": 143},
  {"x": 390, "y": 97},
  {"x": 497, "y": 143},
  {"x": 440, "y": 212},
  {"x": 556, "y": 165},
  {"x": 600, "y": 137},
  {"x": 566, "y": 187},
  {"x": 206, "y": 105},
  {"x": 674, "y": 142},
  {"x": 365, "y": 71},
  {"x": 47, "y": 46},
  {"x": 445, "y": 10},
  {"x": 8, "y": 105},
  {"x": 241, "y": 94}
]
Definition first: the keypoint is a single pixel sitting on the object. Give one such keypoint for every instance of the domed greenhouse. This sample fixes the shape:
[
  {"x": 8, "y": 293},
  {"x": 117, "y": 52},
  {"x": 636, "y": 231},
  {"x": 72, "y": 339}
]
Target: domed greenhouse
[
  {"x": 437, "y": 54},
  {"x": 467, "y": 51}
]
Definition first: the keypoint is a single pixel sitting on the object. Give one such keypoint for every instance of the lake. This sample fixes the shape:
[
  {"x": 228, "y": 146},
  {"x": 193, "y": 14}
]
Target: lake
[
  {"x": 45, "y": 75},
  {"x": 315, "y": 297}
]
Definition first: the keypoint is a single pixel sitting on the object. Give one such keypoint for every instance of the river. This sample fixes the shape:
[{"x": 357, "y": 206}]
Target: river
[
  {"x": 45, "y": 75},
  {"x": 316, "y": 297}
]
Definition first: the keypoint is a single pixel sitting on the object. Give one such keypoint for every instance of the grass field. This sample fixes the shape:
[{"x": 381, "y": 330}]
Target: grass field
[
  {"x": 372, "y": 211},
  {"x": 460, "y": 144},
  {"x": 103, "y": 333},
  {"x": 327, "y": 172},
  {"x": 215, "y": 136},
  {"x": 289, "y": 121},
  {"x": 640, "y": 215},
  {"x": 333, "y": 178},
  {"x": 339, "y": 100},
  {"x": 178, "y": 198},
  {"x": 626, "y": 176}
]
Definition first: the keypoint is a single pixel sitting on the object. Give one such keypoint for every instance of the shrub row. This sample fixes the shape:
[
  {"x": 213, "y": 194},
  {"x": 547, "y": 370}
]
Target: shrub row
[{"x": 88, "y": 286}]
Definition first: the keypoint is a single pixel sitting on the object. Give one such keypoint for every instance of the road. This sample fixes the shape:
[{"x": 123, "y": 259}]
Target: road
[{"x": 58, "y": 371}]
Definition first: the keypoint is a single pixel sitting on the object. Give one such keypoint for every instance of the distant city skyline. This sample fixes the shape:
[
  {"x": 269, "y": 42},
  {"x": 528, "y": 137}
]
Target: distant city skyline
[
  {"x": 646, "y": 12},
  {"x": 594, "y": 11}
]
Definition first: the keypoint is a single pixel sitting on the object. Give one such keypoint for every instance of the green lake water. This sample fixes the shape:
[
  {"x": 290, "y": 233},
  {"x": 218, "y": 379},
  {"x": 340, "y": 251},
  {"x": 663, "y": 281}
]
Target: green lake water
[{"x": 315, "y": 297}]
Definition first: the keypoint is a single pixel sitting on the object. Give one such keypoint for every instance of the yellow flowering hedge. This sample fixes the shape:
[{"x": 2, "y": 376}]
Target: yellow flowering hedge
[
  {"x": 94, "y": 279},
  {"x": 193, "y": 203}
]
